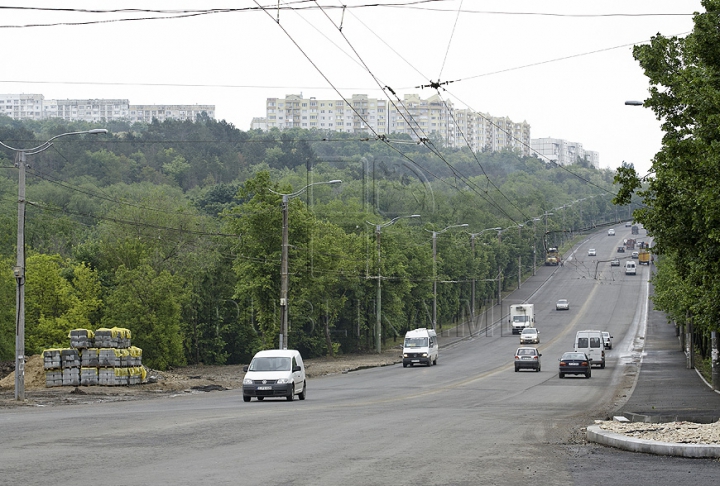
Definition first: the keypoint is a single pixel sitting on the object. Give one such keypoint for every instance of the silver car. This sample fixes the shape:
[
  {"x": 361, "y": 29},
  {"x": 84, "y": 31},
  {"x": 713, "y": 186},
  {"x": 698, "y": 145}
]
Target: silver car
[
  {"x": 607, "y": 340},
  {"x": 530, "y": 335},
  {"x": 527, "y": 358},
  {"x": 562, "y": 304}
]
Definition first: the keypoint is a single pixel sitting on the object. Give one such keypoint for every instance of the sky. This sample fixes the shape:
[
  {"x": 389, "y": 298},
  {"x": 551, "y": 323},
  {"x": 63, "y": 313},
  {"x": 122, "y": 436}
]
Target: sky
[{"x": 565, "y": 67}]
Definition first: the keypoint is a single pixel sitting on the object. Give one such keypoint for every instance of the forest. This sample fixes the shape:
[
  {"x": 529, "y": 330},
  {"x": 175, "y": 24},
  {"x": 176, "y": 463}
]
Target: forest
[{"x": 174, "y": 230}]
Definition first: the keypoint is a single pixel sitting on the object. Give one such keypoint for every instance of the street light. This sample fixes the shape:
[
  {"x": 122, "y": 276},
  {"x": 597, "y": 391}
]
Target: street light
[
  {"x": 434, "y": 247},
  {"x": 378, "y": 322},
  {"x": 284, "y": 274},
  {"x": 634, "y": 103},
  {"x": 472, "y": 246},
  {"x": 19, "y": 268}
]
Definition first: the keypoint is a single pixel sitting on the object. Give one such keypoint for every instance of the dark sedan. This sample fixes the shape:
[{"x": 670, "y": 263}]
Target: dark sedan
[{"x": 575, "y": 363}]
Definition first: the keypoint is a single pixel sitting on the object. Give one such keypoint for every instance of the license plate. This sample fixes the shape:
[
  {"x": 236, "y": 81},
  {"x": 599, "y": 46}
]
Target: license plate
[
  {"x": 415, "y": 361},
  {"x": 574, "y": 364},
  {"x": 264, "y": 388},
  {"x": 526, "y": 357}
]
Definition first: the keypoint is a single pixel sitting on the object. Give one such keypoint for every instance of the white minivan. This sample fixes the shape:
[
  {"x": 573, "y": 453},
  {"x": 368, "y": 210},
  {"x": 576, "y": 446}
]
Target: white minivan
[
  {"x": 630, "y": 268},
  {"x": 420, "y": 347},
  {"x": 591, "y": 343},
  {"x": 275, "y": 373}
]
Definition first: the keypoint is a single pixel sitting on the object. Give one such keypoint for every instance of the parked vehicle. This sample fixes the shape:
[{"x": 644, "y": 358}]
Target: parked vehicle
[
  {"x": 530, "y": 335},
  {"x": 607, "y": 340},
  {"x": 575, "y": 363},
  {"x": 562, "y": 304},
  {"x": 275, "y": 373},
  {"x": 527, "y": 357},
  {"x": 590, "y": 342},
  {"x": 420, "y": 347},
  {"x": 521, "y": 316}
]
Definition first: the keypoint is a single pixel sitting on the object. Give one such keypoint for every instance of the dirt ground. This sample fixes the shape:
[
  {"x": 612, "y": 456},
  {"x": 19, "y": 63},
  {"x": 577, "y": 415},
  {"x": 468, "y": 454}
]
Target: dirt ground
[{"x": 189, "y": 379}]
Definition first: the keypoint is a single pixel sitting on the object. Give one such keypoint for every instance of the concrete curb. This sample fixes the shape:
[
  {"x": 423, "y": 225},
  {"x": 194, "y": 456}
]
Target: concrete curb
[{"x": 619, "y": 441}]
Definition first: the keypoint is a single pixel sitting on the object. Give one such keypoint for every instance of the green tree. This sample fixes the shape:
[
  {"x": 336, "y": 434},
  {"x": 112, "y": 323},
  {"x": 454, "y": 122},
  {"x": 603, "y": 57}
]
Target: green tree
[{"x": 681, "y": 208}]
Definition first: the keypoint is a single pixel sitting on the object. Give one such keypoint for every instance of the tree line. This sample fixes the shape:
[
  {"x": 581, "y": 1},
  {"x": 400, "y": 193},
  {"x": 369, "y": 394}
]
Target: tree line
[{"x": 174, "y": 230}]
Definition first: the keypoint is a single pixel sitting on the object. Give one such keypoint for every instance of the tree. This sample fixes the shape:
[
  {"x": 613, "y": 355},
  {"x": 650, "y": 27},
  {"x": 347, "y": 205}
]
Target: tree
[{"x": 682, "y": 210}]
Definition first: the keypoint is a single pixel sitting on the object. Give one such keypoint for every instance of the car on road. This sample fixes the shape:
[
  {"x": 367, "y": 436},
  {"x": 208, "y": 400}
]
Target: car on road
[
  {"x": 574, "y": 363},
  {"x": 615, "y": 262},
  {"x": 621, "y": 249},
  {"x": 527, "y": 357},
  {"x": 635, "y": 255},
  {"x": 611, "y": 232},
  {"x": 607, "y": 340},
  {"x": 275, "y": 373},
  {"x": 530, "y": 335},
  {"x": 562, "y": 304},
  {"x": 591, "y": 252}
]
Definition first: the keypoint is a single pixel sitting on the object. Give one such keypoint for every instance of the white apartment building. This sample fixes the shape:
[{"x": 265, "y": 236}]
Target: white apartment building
[
  {"x": 359, "y": 114},
  {"x": 563, "y": 152},
  {"x": 146, "y": 113},
  {"x": 413, "y": 116},
  {"x": 36, "y": 107}
]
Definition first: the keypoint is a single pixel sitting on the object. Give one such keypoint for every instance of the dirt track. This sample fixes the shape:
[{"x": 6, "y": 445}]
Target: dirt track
[{"x": 189, "y": 379}]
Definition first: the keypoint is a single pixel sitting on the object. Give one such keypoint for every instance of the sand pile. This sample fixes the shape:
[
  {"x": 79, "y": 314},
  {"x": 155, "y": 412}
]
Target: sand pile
[{"x": 34, "y": 374}]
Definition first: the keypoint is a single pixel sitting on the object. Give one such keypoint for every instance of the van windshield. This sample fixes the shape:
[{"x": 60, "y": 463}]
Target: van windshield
[
  {"x": 520, "y": 319},
  {"x": 270, "y": 364},
  {"x": 418, "y": 342}
]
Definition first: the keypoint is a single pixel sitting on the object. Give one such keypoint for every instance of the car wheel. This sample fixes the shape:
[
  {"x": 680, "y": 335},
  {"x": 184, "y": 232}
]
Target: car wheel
[
  {"x": 602, "y": 365},
  {"x": 435, "y": 361},
  {"x": 561, "y": 375},
  {"x": 538, "y": 369},
  {"x": 404, "y": 365},
  {"x": 587, "y": 375},
  {"x": 246, "y": 399},
  {"x": 301, "y": 396},
  {"x": 291, "y": 397}
]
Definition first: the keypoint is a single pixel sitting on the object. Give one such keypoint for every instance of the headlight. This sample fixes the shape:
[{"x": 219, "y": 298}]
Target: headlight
[
  {"x": 284, "y": 381},
  {"x": 247, "y": 381},
  {"x": 424, "y": 355},
  {"x": 405, "y": 355}
]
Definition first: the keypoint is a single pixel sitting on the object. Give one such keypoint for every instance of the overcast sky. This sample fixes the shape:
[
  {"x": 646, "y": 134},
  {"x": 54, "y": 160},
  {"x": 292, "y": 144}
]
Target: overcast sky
[{"x": 565, "y": 67}]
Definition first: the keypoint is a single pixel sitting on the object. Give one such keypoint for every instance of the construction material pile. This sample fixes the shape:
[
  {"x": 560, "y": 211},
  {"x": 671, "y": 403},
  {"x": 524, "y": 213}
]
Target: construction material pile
[{"x": 103, "y": 357}]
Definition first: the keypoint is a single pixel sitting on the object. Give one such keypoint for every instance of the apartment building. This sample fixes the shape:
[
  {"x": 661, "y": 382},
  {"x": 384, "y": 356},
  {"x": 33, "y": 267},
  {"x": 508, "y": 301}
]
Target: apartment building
[
  {"x": 36, "y": 107},
  {"x": 359, "y": 114},
  {"x": 563, "y": 152},
  {"x": 414, "y": 116}
]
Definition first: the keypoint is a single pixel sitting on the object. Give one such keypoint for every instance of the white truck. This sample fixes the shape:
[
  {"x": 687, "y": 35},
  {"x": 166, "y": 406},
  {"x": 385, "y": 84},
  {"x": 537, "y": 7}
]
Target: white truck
[{"x": 521, "y": 316}]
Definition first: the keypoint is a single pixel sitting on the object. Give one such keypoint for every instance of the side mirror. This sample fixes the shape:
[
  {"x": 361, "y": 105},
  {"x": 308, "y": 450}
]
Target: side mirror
[
  {"x": 245, "y": 368},
  {"x": 296, "y": 368},
  {"x": 539, "y": 355}
]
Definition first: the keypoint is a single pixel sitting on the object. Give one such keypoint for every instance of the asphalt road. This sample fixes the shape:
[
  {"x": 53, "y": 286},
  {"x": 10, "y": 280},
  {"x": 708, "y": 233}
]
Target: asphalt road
[{"x": 469, "y": 420}]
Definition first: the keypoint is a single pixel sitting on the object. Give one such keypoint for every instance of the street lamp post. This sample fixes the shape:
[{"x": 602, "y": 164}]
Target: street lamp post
[
  {"x": 378, "y": 305},
  {"x": 472, "y": 247},
  {"x": 284, "y": 273},
  {"x": 19, "y": 268},
  {"x": 535, "y": 220},
  {"x": 434, "y": 248}
]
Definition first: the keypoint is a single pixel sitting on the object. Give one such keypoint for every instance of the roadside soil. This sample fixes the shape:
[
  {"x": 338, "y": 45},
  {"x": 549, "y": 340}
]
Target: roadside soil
[{"x": 188, "y": 379}]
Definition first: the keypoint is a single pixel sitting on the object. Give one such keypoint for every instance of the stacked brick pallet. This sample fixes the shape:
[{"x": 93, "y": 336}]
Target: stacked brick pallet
[{"x": 104, "y": 357}]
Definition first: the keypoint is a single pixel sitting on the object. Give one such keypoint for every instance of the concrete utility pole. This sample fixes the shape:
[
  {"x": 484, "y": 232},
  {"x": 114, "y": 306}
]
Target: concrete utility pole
[
  {"x": 378, "y": 305},
  {"x": 434, "y": 249},
  {"x": 472, "y": 247},
  {"x": 19, "y": 268},
  {"x": 284, "y": 271}
]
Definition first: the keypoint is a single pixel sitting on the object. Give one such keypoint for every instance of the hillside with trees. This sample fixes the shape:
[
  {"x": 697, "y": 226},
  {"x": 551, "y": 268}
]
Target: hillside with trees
[{"x": 174, "y": 230}]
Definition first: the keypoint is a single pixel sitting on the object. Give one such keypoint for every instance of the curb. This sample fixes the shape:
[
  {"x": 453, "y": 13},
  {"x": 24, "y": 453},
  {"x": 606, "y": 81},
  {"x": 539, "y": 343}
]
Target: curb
[{"x": 600, "y": 436}]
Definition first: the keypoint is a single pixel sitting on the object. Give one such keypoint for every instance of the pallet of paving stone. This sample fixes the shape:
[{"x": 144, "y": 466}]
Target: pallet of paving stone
[
  {"x": 71, "y": 376},
  {"x": 135, "y": 358},
  {"x": 108, "y": 357},
  {"x": 89, "y": 376},
  {"x": 136, "y": 375},
  {"x": 81, "y": 338},
  {"x": 70, "y": 358},
  {"x": 53, "y": 378},
  {"x": 89, "y": 357},
  {"x": 52, "y": 359}
]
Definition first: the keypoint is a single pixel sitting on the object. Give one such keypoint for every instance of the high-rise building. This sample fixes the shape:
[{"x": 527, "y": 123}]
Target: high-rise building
[{"x": 563, "y": 152}]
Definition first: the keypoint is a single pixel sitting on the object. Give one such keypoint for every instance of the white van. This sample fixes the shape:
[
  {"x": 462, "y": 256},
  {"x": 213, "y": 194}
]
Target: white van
[
  {"x": 275, "y": 373},
  {"x": 421, "y": 347},
  {"x": 591, "y": 343},
  {"x": 630, "y": 268}
]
